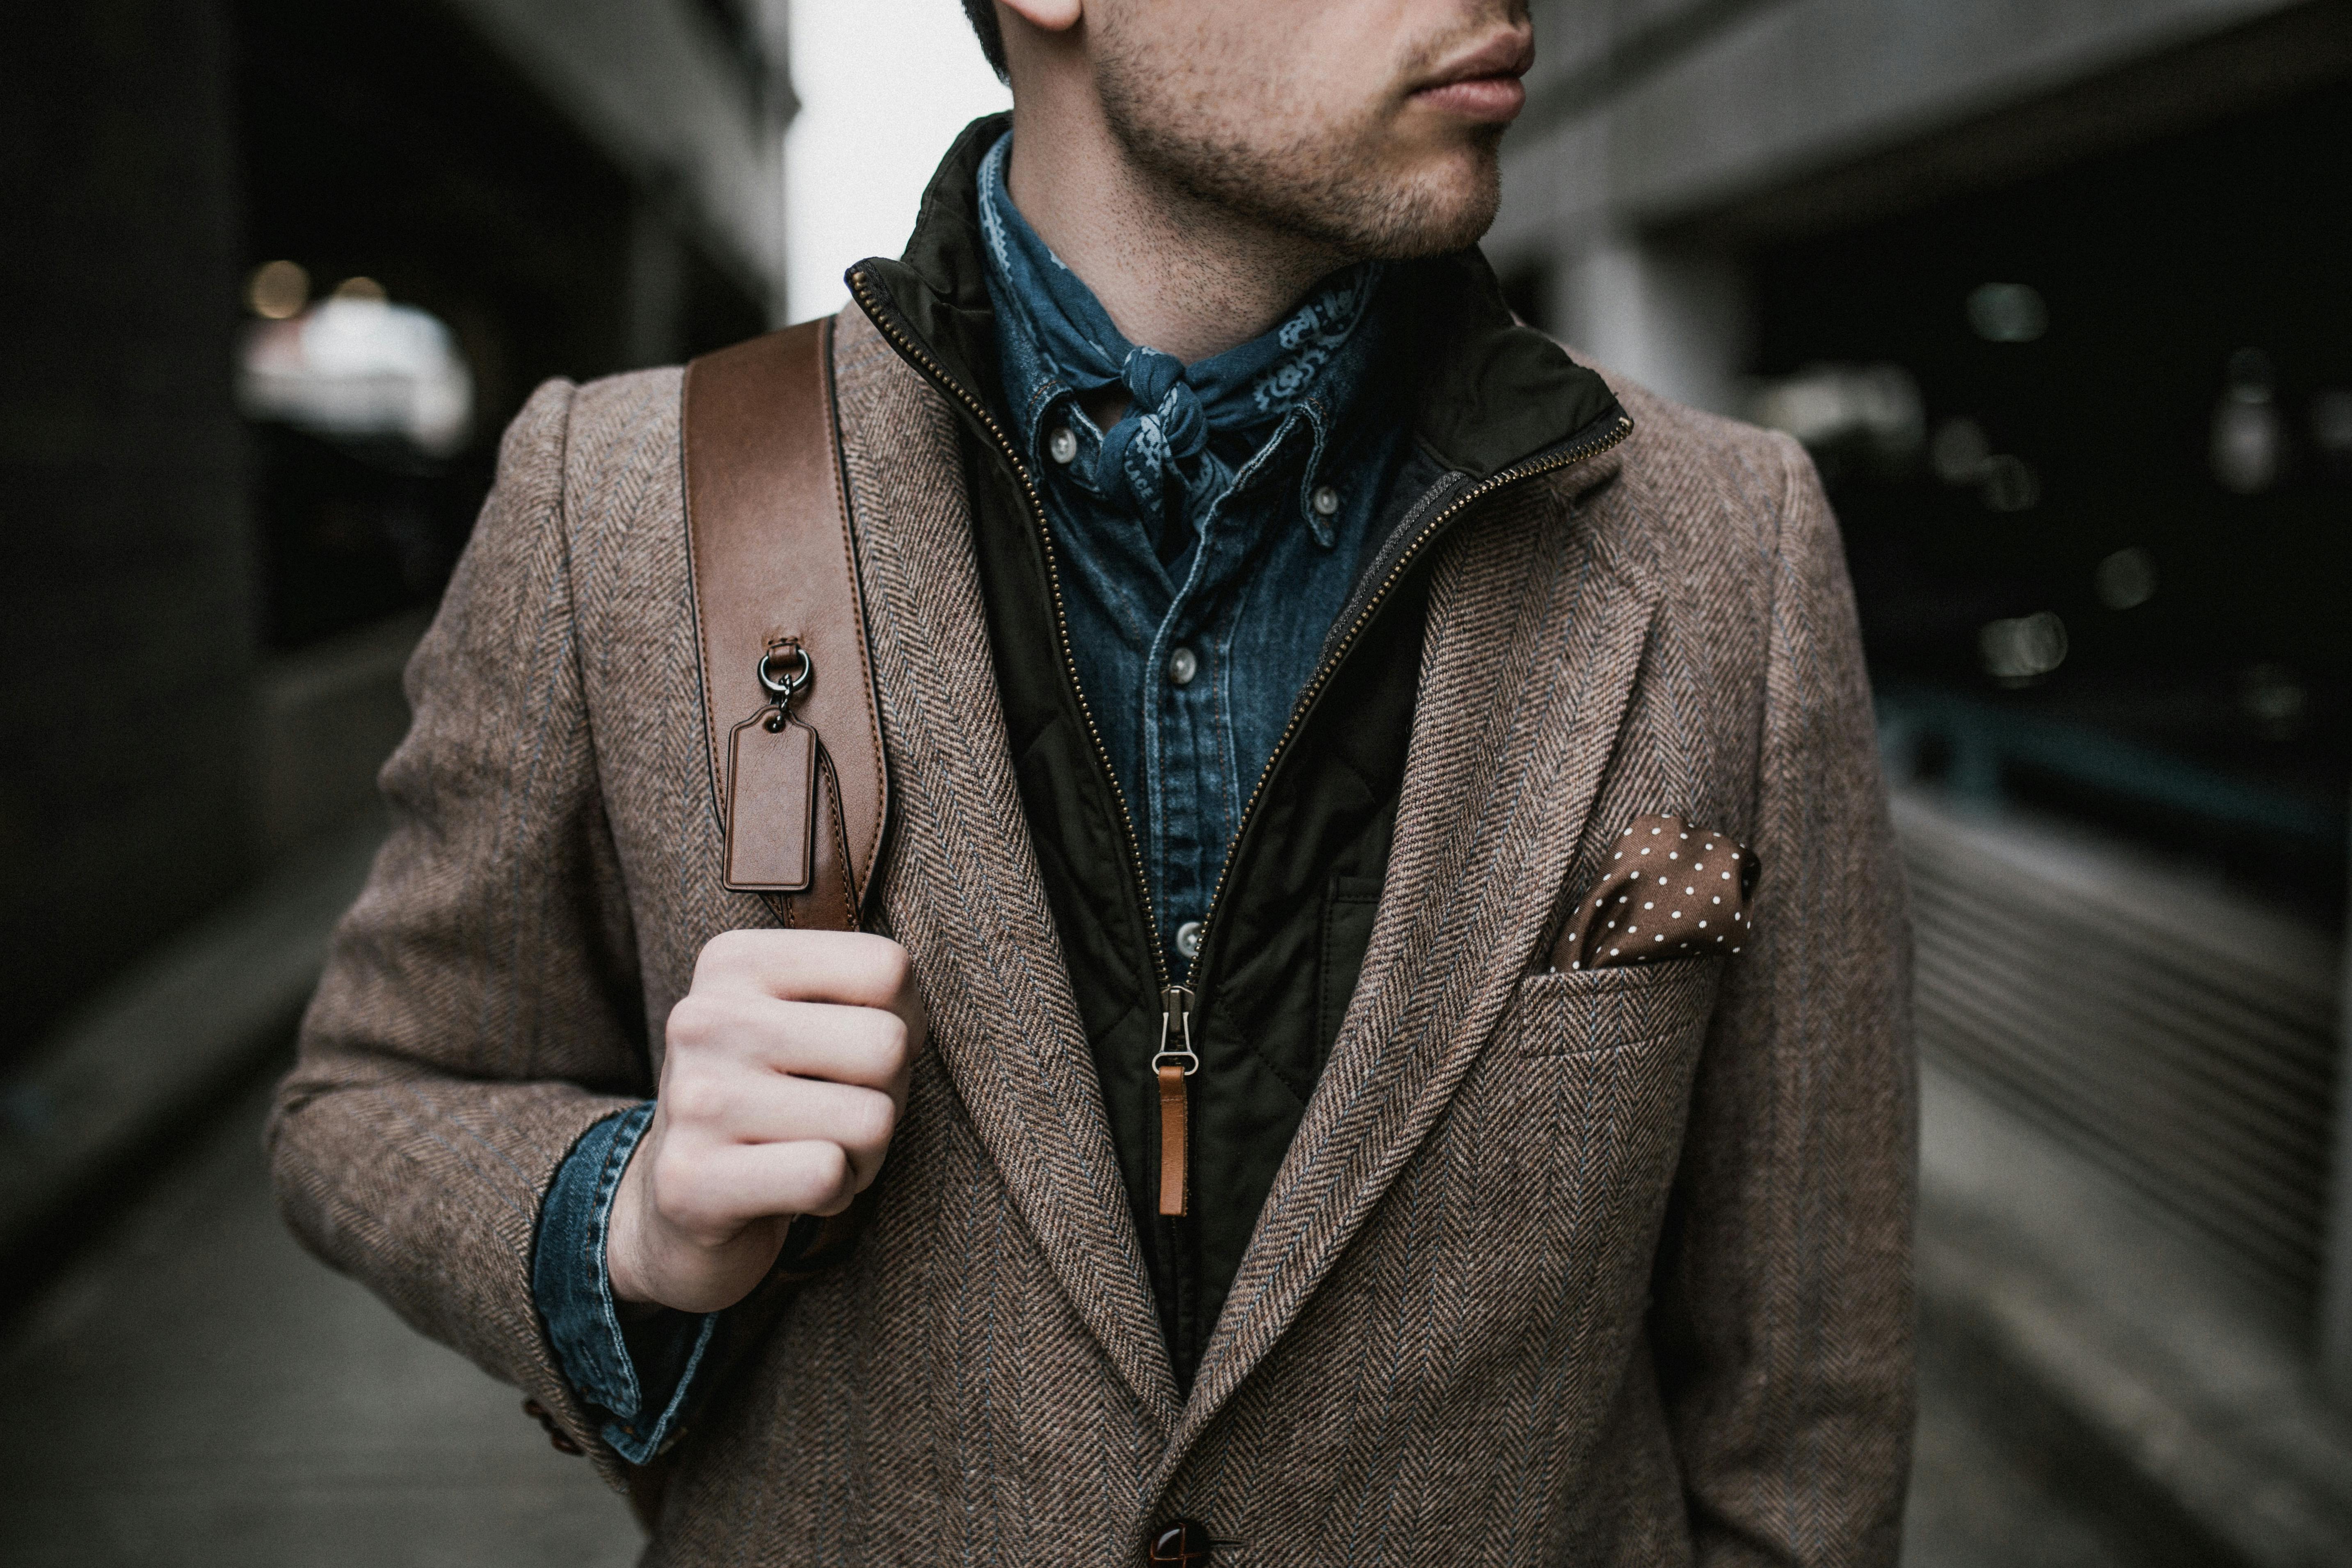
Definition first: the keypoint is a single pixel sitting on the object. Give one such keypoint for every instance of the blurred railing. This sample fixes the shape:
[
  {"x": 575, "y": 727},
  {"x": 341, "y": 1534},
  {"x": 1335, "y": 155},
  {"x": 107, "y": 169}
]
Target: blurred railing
[
  {"x": 2176, "y": 1033},
  {"x": 1983, "y": 744}
]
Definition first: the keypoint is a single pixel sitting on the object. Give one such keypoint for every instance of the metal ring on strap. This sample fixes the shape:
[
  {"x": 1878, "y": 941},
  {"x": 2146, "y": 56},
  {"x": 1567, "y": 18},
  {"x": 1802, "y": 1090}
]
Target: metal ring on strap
[{"x": 784, "y": 687}]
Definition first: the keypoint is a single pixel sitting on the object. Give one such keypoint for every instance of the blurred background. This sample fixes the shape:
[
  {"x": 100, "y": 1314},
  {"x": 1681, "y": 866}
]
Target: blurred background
[{"x": 2056, "y": 293}]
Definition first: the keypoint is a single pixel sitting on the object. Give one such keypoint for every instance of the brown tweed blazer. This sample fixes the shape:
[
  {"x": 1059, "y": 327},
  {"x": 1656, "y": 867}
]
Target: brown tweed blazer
[{"x": 1603, "y": 1268}]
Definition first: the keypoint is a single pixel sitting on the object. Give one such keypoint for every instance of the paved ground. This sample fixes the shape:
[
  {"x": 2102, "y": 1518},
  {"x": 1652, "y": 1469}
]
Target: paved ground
[
  {"x": 197, "y": 1391},
  {"x": 1975, "y": 1502}
]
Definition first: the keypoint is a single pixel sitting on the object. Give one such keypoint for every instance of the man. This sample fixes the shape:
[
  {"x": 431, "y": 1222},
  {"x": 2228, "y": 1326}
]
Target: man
[{"x": 1280, "y": 653}]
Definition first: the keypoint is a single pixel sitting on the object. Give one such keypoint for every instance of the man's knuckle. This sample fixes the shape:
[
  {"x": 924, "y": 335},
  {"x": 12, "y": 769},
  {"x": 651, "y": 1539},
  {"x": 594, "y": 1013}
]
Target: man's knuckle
[
  {"x": 727, "y": 950},
  {"x": 889, "y": 1046},
  {"x": 864, "y": 965},
  {"x": 694, "y": 1022},
  {"x": 828, "y": 1171},
  {"x": 718, "y": 955},
  {"x": 874, "y": 1119},
  {"x": 696, "y": 1096}
]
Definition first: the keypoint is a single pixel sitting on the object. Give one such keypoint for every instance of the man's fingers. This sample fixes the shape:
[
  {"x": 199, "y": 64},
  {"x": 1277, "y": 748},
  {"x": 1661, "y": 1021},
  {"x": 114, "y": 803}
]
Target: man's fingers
[
  {"x": 722, "y": 1031},
  {"x": 729, "y": 1187},
  {"x": 725, "y": 1110},
  {"x": 787, "y": 1040},
  {"x": 846, "y": 967},
  {"x": 863, "y": 1046}
]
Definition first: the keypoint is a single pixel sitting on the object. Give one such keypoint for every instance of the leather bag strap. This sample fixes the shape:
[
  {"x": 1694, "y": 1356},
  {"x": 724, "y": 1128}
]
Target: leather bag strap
[
  {"x": 774, "y": 571},
  {"x": 772, "y": 554}
]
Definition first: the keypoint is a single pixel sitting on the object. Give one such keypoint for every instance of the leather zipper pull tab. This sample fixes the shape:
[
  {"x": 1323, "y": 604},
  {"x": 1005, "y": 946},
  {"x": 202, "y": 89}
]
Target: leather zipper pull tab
[{"x": 1174, "y": 1062}]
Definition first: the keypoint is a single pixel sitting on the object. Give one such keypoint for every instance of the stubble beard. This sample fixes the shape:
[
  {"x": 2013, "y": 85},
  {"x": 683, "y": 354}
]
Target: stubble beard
[{"x": 1324, "y": 185}]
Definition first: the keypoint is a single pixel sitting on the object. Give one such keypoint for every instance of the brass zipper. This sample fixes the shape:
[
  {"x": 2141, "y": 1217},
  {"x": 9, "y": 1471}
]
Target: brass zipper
[
  {"x": 1550, "y": 463},
  {"x": 878, "y": 310}
]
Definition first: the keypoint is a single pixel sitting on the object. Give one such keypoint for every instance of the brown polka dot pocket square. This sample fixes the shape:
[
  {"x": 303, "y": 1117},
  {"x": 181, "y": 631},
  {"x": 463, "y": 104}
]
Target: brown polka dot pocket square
[{"x": 1671, "y": 890}]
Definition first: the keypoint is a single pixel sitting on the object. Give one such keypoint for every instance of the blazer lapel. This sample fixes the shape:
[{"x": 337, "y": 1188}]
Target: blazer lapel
[
  {"x": 1534, "y": 635},
  {"x": 961, "y": 887}
]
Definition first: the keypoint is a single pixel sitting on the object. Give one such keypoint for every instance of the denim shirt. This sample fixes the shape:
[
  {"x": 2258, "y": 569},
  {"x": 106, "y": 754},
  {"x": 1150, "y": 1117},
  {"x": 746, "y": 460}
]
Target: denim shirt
[
  {"x": 1192, "y": 652},
  {"x": 638, "y": 1373},
  {"x": 1196, "y": 614}
]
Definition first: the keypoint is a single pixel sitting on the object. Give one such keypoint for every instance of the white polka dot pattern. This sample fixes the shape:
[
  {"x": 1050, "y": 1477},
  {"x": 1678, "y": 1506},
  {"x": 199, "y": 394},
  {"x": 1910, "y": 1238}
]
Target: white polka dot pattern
[{"x": 1671, "y": 891}]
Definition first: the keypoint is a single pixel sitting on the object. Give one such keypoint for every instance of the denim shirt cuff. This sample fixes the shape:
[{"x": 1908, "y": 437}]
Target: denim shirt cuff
[{"x": 639, "y": 1374}]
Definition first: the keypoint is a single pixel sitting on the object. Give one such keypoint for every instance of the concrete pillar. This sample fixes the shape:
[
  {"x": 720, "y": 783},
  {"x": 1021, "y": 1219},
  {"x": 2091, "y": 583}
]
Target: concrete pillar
[
  {"x": 653, "y": 326},
  {"x": 1675, "y": 320},
  {"x": 126, "y": 569}
]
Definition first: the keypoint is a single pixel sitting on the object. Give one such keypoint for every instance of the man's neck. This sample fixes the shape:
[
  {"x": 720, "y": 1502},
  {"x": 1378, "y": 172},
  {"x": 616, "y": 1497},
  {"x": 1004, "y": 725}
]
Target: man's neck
[{"x": 1175, "y": 273}]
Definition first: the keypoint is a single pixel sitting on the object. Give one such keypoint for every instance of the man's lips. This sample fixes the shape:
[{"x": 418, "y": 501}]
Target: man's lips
[
  {"x": 1494, "y": 100},
  {"x": 1483, "y": 84}
]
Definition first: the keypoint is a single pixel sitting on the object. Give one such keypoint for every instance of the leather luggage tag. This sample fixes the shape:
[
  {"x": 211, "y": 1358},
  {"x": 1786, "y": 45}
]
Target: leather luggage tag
[{"x": 770, "y": 805}]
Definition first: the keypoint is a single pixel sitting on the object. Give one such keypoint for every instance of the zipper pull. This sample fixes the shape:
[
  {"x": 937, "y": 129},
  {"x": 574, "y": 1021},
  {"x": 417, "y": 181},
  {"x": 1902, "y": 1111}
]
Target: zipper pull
[{"x": 1174, "y": 1062}]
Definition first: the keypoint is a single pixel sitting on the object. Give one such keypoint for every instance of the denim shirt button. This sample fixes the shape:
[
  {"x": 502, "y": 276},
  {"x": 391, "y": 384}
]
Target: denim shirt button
[
  {"x": 1188, "y": 941},
  {"x": 1326, "y": 501},
  {"x": 1182, "y": 666},
  {"x": 1062, "y": 444}
]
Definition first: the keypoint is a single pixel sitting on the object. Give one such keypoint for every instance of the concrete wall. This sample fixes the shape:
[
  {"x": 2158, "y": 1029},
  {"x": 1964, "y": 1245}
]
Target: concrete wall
[
  {"x": 654, "y": 83},
  {"x": 325, "y": 720},
  {"x": 1660, "y": 135},
  {"x": 126, "y": 575}
]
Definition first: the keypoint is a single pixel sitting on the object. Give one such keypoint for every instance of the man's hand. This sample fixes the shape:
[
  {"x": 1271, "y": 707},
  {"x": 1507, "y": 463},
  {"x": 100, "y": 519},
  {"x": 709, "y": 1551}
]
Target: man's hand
[{"x": 786, "y": 1069}]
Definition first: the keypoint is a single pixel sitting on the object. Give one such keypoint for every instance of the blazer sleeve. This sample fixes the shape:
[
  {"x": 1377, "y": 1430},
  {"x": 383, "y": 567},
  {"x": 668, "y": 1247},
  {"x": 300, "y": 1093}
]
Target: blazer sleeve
[
  {"x": 480, "y": 1006},
  {"x": 1783, "y": 1315}
]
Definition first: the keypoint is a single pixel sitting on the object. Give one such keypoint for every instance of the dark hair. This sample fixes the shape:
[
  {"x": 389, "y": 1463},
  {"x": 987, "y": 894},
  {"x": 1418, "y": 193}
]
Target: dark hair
[{"x": 992, "y": 37}]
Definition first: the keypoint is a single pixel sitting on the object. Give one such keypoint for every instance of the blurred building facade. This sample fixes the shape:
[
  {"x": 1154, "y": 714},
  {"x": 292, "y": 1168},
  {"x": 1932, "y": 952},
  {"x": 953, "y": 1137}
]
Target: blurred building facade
[
  {"x": 2054, "y": 294},
  {"x": 278, "y": 274}
]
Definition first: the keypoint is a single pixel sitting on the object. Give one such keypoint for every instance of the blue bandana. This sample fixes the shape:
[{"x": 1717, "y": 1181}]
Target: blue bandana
[{"x": 1179, "y": 416}]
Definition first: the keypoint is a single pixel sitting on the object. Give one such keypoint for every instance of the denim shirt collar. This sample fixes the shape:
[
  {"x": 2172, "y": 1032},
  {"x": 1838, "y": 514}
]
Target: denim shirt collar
[{"x": 1192, "y": 433}]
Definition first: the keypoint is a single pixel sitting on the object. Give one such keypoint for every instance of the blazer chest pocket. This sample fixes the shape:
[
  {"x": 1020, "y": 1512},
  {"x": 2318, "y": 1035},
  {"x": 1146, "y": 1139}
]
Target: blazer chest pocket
[{"x": 1591, "y": 1012}]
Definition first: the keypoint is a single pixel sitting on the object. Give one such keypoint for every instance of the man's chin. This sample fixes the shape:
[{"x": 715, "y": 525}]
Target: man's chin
[
  {"x": 1433, "y": 213},
  {"x": 1415, "y": 190}
]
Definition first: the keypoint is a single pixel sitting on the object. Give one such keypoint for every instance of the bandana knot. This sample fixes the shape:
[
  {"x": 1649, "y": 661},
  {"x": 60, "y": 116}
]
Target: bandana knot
[{"x": 1169, "y": 427}]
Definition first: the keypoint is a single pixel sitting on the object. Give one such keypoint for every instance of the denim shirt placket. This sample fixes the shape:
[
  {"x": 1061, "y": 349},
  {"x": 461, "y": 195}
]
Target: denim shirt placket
[
  {"x": 1191, "y": 769},
  {"x": 1185, "y": 786}
]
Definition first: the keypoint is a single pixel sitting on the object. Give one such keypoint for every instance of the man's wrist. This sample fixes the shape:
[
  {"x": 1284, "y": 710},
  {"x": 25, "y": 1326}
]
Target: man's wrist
[{"x": 622, "y": 1278}]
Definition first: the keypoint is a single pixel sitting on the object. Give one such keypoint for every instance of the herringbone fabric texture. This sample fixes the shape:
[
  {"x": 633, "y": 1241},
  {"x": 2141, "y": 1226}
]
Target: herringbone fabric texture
[{"x": 1605, "y": 1268}]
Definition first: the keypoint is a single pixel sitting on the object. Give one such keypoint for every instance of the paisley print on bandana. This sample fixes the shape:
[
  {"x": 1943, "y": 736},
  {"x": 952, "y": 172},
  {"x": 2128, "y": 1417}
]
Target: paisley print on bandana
[{"x": 1319, "y": 330}]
